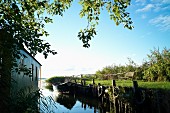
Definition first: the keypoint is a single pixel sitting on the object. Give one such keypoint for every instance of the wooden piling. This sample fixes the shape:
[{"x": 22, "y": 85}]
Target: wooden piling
[
  {"x": 113, "y": 86},
  {"x": 135, "y": 86},
  {"x": 81, "y": 79},
  {"x": 81, "y": 82},
  {"x": 93, "y": 82},
  {"x": 95, "y": 91},
  {"x": 113, "y": 83},
  {"x": 84, "y": 82}
]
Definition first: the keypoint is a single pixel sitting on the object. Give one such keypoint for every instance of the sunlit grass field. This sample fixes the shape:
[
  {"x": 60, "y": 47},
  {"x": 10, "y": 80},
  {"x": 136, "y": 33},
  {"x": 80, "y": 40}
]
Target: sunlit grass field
[
  {"x": 123, "y": 83},
  {"x": 129, "y": 83}
]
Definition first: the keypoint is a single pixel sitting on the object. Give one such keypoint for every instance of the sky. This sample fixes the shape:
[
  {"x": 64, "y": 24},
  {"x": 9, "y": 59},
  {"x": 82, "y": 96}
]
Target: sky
[{"x": 112, "y": 45}]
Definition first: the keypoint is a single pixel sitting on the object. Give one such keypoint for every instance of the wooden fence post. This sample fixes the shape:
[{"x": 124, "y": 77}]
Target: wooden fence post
[
  {"x": 135, "y": 86},
  {"x": 114, "y": 96},
  {"x": 84, "y": 82},
  {"x": 93, "y": 82},
  {"x": 81, "y": 82},
  {"x": 81, "y": 79},
  {"x": 113, "y": 83}
]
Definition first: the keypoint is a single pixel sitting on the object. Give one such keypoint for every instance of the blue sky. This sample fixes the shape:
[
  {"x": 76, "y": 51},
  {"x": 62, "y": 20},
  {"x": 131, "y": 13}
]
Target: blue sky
[{"x": 112, "y": 45}]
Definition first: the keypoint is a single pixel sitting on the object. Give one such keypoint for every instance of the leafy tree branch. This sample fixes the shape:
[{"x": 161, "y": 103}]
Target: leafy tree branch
[{"x": 25, "y": 19}]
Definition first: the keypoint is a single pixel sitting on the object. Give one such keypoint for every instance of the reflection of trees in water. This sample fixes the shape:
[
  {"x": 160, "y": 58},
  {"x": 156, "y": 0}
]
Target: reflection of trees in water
[
  {"x": 87, "y": 102},
  {"x": 119, "y": 105},
  {"x": 69, "y": 101},
  {"x": 66, "y": 100}
]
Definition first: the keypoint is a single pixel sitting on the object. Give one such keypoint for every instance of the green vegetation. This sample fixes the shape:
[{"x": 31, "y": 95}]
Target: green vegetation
[
  {"x": 25, "y": 102},
  {"x": 49, "y": 86},
  {"x": 25, "y": 21},
  {"x": 22, "y": 24},
  {"x": 56, "y": 79},
  {"x": 122, "y": 83},
  {"x": 157, "y": 68},
  {"x": 129, "y": 83},
  {"x": 152, "y": 74}
]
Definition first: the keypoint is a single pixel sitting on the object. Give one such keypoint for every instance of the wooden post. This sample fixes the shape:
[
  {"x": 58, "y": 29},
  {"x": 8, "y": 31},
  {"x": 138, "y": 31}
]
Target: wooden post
[
  {"x": 113, "y": 83},
  {"x": 84, "y": 82},
  {"x": 93, "y": 82},
  {"x": 98, "y": 89},
  {"x": 135, "y": 86},
  {"x": 113, "y": 86},
  {"x": 81, "y": 82},
  {"x": 81, "y": 79}
]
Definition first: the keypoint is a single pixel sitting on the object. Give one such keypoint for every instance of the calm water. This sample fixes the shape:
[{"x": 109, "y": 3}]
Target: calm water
[
  {"x": 59, "y": 103},
  {"x": 69, "y": 104},
  {"x": 53, "y": 102}
]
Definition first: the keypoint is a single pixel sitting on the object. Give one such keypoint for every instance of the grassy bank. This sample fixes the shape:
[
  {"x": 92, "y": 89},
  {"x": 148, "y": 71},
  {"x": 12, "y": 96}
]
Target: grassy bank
[
  {"x": 123, "y": 83},
  {"x": 129, "y": 83}
]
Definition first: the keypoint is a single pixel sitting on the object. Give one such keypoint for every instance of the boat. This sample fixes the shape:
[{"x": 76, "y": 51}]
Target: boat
[{"x": 63, "y": 87}]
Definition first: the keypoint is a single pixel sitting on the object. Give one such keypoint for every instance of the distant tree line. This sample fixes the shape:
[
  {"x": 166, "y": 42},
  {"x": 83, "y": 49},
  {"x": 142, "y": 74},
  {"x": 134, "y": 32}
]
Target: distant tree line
[{"x": 155, "y": 68}]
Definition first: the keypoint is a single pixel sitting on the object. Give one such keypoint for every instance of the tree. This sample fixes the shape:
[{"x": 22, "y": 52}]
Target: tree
[
  {"x": 159, "y": 65},
  {"x": 131, "y": 66},
  {"x": 108, "y": 71},
  {"x": 25, "y": 20}
]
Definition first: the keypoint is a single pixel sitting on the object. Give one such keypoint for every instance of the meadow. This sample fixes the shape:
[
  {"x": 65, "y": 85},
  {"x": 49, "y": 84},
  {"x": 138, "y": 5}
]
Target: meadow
[
  {"x": 129, "y": 83},
  {"x": 124, "y": 83}
]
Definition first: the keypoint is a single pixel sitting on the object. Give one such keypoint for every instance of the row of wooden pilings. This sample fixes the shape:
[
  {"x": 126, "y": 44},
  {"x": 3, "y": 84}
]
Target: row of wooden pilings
[
  {"x": 132, "y": 99},
  {"x": 91, "y": 90},
  {"x": 98, "y": 91},
  {"x": 135, "y": 84}
]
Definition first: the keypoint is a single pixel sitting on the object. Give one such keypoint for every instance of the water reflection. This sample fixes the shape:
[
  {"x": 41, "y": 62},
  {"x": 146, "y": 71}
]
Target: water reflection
[
  {"x": 61, "y": 103},
  {"x": 77, "y": 104},
  {"x": 81, "y": 104},
  {"x": 66, "y": 101}
]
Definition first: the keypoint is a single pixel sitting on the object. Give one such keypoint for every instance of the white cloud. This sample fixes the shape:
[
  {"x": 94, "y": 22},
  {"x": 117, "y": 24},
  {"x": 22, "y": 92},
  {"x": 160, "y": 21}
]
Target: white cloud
[
  {"x": 166, "y": 1},
  {"x": 143, "y": 16},
  {"x": 161, "y": 7},
  {"x": 146, "y": 35},
  {"x": 140, "y": 2},
  {"x": 146, "y": 8},
  {"x": 161, "y": 1},
  {"x": 162, "y": 22},
  {"x": 166, "y": 8},
  {"x": 157, "y": 7}
]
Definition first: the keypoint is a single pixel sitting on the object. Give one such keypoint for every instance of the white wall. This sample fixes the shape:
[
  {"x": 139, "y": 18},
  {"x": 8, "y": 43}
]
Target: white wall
[{"x": 24, "y": 81}]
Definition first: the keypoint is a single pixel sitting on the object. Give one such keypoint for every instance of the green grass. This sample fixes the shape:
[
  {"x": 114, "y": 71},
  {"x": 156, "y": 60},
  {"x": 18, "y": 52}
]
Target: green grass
[
  {"x": 49, "y": 86},
  {"x": 123, "y": 83},
  {"x": 155, "y": 85},
  {"x": 129, "y": 83}
]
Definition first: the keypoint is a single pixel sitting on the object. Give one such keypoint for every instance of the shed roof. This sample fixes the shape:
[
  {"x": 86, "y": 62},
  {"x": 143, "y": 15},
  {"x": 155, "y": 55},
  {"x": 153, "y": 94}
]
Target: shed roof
[{"x": 32, "y": 56}]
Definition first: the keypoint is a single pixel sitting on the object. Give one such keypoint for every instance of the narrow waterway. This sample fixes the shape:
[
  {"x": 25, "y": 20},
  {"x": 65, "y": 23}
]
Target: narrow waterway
[
  {"x": 155, "y": 101},
  {"x": 60, "y": 103},
  {"x": 55, "y": 102}
]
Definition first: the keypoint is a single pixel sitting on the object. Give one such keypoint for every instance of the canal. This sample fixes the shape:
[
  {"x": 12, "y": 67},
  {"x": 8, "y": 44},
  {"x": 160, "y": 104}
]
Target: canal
[{"x": 54, "y": 102}]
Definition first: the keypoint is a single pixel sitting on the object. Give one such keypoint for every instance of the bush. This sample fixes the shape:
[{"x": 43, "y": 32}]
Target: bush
[{"x": 56, "y": 79}]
